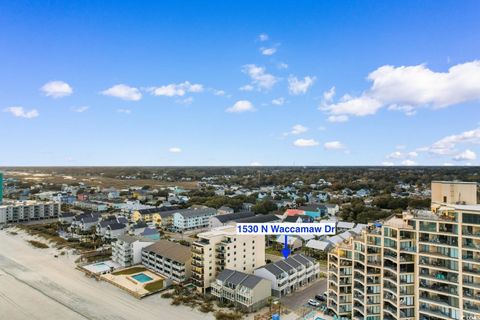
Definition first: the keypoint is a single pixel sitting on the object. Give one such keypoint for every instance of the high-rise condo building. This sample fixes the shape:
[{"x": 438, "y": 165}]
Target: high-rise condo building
[{"x": 416, "y": 265}]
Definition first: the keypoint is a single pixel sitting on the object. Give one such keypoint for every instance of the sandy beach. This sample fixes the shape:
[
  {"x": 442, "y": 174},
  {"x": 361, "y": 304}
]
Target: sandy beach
[{"x": 36, "y": 285}]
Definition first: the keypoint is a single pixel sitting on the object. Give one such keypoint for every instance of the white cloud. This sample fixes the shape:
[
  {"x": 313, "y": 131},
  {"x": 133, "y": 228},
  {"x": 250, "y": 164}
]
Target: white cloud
[
  {"x": 409, "y": 162},
  {"x": 304, "y": 143},
  {"x": 402, "y": 155},
  {"x": 282, "y": 66},
  {"x": 81, "y": 109},
  {"x": 260, "y": 78},
  {"x": 219, "y": 92},
  {"x": 322, "y": 128},
  {"x": 176, "y": 89},
  {"x": 298, "y": 86},
  {"x": 279, "y": 101},
  {"x": 20, "y": 112},
  {"x": 175, "y": 150},
  {"x": 447, "y": 145},
  {"x": 388, "y": 163},
  {"x": 255, "y": 164},
  {"x": 268, "y": 51},
  {"x": 333, "y": 145},
  {"x": 125, "y": 111},
  {"x": 465, "y": 155},
  {"x": 263, "y": 37},
  {"x": 56, "y": 89},
  {"x": 247, "y": 87},
  {"x": 448, "y": 164},
  {"x": 298, "y": 129},
  {"x": 123, "y": 92},
  {"x": 408, "y": 88},
  {"x": 241, "y": 106},
  {"x": 328, "y": 95},
  {"x": 339, "y": 118}
]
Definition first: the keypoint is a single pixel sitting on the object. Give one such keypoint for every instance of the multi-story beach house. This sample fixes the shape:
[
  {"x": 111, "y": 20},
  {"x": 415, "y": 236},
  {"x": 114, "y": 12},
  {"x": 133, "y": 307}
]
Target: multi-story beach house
[
  {"x": 416, "y": 265},
  {"x": 289, "y": 275},
  {"x": 221, "y": 248},
  {"x": 168, "y": 258},
  {"x": 245, "y": 291},
  {"x": 23, "y": 211},
  {"x": 191, "y": 219},
  {"x": 127, "y": 250}
]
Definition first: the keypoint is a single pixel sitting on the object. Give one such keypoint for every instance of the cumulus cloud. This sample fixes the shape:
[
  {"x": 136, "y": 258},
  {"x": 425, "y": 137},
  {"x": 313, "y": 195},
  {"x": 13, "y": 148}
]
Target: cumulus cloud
[
  {"x": 448, "y": 144},
  {"x": 408, "y": 88},
  {"x": 123, "y": 92},
  {"x": 81, "y": 109},
  {"x": 255, "y": 164},
  {"x": 176, "y": 89},
  {"x": 297, "y": 129},
  {"x": 388, "y": 163},
  {"x": 328, "y": 95},
  {"x": 339, "y": 118},
  {"x": 465, "y": 155},
  {"x": 402, "y": 155},
  {"x": 263, "y": 37},
  {"x": 305, "y": 143},
  {"x": 409, "y": 162},
  {"x": 241, "y": 106},
  {"x": 20, "y": 112},
  {"x": 247, "y": 87},
  {"x": 282, "y": 66},
  {"x": 175, "y": 150},
  {"x": 56, "y": 89},
  {"x": 333, "y": 145},
  {"x": 298, "y": 86},
  {"x": 268, "y": 51},
  {"x": 279, "y": 101},
  {"x": 259, "y": 77}
]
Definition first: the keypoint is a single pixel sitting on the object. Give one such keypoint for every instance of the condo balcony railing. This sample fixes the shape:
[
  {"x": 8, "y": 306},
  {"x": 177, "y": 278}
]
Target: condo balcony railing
[
  {"x": 437, "y": 311},
  {"x": 440, "y": 287}
]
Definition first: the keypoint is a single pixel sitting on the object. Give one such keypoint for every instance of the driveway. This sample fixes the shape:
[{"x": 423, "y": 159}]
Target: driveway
[{"x": 297, "y": 301}]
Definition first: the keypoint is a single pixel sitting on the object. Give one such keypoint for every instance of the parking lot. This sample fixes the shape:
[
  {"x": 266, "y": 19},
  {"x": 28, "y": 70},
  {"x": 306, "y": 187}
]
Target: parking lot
[{"x": 297, "y": 301}]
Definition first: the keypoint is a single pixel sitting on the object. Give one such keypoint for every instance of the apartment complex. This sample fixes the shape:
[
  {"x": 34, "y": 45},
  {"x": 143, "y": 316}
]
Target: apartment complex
[
  {"x": 22, "y": 211},
  {"x": 221, "y": 248},
  {"x": 190, "y": 219},
  {"x": 245, "y": 291},
  {"x": 289, "y": 275},
  {"x": 127, "y": 250},
  {"x": 416, "y": 265},
  {"x": 169, "y": 259}
]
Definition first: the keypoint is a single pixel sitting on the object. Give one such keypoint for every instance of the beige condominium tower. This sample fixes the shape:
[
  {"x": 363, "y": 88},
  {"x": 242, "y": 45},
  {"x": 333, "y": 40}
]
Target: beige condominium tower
[
  {"x": 221, "y": 248},
  {"x": 415, "y": 265}
]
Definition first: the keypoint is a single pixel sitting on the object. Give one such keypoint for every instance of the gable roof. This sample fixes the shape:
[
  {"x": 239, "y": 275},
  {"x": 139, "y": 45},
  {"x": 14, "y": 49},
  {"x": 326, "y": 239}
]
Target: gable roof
[
  {"x": 259, "y": 218},
  {"x": 239, "y": 278},
  {"x": 191, "y": 213},
  {"x": 234, "y": 216}
]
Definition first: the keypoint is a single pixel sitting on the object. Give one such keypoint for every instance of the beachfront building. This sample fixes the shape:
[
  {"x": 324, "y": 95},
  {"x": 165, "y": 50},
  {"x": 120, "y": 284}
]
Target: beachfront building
[
  {"x": 127, "y": 250},
  {"x": 190, "y": 219},
  {"x": 168, "y": 258},
  {"x": 416, "y": 265},
  {"x": 222, "y": 248},
  {"x": 247, "y": 292},
  {"x": 23, "y": 211},
  {"x": 289, "y": 275}
]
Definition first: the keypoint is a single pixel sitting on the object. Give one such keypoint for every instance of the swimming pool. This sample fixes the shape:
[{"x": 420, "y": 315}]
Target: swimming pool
[{"x": 142, "y": 277}]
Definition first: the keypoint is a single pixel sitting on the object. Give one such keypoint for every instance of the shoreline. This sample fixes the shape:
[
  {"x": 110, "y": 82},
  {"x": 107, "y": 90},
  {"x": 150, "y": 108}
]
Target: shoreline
[{"x": 36, "y": 285}]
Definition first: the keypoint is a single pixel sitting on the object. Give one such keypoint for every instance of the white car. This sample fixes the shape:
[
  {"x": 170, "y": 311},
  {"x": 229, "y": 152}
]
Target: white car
[{"x": 314, "y": 303}]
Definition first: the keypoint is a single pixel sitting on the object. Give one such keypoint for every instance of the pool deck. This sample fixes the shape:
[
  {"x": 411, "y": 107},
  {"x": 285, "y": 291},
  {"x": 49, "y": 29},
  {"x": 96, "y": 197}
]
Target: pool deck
[{"x": 128, "y": 283}]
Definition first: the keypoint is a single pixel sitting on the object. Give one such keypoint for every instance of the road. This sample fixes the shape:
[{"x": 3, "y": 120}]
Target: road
[{"x": 298, "y": 299}]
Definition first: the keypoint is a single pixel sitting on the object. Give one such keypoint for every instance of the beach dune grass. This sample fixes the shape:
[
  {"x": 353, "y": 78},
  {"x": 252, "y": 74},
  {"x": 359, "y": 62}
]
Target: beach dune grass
[
  {"x": 38, "y": 244},
  {"x": 131, "y": 270}
]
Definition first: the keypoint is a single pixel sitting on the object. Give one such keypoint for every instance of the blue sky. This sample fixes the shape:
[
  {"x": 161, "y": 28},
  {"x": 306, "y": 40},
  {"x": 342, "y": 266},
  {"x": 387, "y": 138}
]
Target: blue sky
[{"x": 240, "y": 83}]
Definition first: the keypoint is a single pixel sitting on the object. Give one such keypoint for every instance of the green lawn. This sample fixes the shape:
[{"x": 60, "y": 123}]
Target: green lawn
[
  {"x": 129, "y": 271},
  {"x": 154, "y": 286}
]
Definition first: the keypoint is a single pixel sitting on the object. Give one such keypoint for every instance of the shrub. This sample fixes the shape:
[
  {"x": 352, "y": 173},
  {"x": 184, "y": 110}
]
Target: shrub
[{"x": 38, "y": 244}]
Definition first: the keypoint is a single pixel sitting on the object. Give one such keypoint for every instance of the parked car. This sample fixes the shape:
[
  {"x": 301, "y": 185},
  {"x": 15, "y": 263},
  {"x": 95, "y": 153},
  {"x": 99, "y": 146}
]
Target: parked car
[
  {"x": 320, "y": 297},
  {"x": 314, "y": 303}
]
